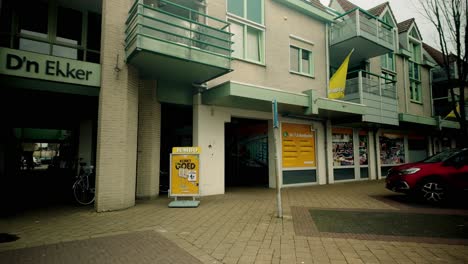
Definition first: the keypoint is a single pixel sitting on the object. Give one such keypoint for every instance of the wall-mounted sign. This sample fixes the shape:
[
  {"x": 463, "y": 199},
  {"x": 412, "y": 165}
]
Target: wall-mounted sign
[
  {"x": 185, "y": 171},
  {"x": 39, "y": 66},
  {"x": 298, "y": 145}
]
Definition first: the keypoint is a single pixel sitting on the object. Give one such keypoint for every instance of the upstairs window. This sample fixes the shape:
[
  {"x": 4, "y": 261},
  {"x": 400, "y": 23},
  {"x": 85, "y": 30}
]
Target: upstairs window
[
  {"x": 246, "y": 18},
  {"x": 387, "y": 61},
  {"x": 251, "y": 10},
  {"x": 301, "y": 61}
]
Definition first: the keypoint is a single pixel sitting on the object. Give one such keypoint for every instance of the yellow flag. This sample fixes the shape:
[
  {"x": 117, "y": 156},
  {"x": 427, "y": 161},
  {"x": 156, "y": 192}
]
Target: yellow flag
[
  {"x": 338, "y": 80},
  {"x": 452, "y": 114}
]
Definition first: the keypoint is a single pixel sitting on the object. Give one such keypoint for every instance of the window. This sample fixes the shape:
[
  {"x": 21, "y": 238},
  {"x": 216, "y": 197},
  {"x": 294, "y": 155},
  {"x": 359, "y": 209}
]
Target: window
[
  {"x": 300, "y": 61},
  {"x": 248, "y": 42},
  {"x": 251, "y": 10},
  {"x": 387, "y": 83},
  {"x": 415, "y": 89},
  {"x": 387, "y": 61},
  {"x": 415, "y": 72},
  {"x": 246, "y": 24}
]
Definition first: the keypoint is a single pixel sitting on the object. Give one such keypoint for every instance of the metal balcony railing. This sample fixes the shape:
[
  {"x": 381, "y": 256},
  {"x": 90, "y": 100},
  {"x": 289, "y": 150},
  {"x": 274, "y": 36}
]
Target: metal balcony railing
[
  {"x": 176, "y": 24},
  {"x": 358, "y": 22}
]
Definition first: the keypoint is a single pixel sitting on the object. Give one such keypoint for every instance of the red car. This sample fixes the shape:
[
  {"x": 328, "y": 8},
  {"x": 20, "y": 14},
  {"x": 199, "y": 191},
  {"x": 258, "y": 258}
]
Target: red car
[{"x": 434, "y": 178}]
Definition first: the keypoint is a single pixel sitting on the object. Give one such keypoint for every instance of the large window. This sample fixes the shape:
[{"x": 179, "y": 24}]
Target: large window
[
  {"x": 415, "y": 72},
  {"x": 301, "y": 61},
  {"x": 66, "y": 32},
  {"x": 246, "y": 18}
]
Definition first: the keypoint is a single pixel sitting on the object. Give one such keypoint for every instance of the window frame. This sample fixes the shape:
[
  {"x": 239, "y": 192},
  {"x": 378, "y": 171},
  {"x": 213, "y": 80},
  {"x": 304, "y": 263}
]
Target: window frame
[
  {"x": 311, "y": 72},
  {"x": 244, "y": 15},
  {"x": 245, "y": 24},
  {"x": 384, "y": 61}
]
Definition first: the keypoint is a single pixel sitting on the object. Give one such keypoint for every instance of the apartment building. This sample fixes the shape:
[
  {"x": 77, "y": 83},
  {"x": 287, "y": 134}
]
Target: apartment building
[{"x": 135, "y": 78}]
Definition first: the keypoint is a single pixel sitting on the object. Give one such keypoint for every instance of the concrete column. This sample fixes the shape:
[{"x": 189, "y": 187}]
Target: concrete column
[
  {"x": 320, "y": 156},
  {"x": 85, "y": 145},
  {"x": 149, "y": 141},
  {"x": 357, "y": 164},
  {"x": 371, "y": 156},
  {"x": 208, "y": 133},
  {"x": 377, "y": 154},
  {"x": 430, "y": 149},
  {"x": 118, "y": 114},
  {"x": 329, "y": 150}
]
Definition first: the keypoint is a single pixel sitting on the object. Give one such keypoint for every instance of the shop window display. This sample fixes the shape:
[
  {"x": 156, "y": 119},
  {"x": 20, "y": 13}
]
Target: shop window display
[
  {"x": 342, "y": 142},
  {"x": 392, "y": 149},
  {"x": 363, "y": 148}
]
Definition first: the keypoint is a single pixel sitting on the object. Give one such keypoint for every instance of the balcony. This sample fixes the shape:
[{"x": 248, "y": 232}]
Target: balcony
[
  {"x": 377, "y": 93},
  {"x": 171, "y": 42},
  {"x": 367, "y": 34}
]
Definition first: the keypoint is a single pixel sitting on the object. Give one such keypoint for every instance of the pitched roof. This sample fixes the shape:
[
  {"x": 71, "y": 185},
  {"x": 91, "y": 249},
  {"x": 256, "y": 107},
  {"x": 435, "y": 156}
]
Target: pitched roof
[
  {"x": 437, "y": 55},
  {"x": 317, "y": 4},
  {"x": 405, "y": 25},
  {"x": 378, "y": 10},
  {"x": 346, "y": 5}
]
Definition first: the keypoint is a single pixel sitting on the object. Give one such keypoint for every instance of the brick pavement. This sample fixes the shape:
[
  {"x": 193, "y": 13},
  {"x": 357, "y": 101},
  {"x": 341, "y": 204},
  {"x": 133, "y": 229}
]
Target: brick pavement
[{"x": 238, "y": 227}]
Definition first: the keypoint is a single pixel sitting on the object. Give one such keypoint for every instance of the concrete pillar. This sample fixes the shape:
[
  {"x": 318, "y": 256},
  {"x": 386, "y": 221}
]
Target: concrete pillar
[
  {"x": 118, "y": 114},
  {"x": 321, "y": 156},
  {"x": 149, "y": 142},
  {"x": 208, "y": 133},
  {"x": 430, "y": 149},
  {"x": 371, "y": 156},
  {"x": 85, "y": 145},
  {"x": 329, "y": 150},
  {"x": 377, "y": 154},
  {"x": 357, "y": 163}
]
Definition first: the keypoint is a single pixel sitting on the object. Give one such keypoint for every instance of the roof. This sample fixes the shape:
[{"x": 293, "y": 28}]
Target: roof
[
  {"x": 378, "y": 10},
  {"x": 346, "y": 5},
  {"x": 437, "y": 55},
  {"x": 405, "y": 25},
  {"x": 316, "y": 3}
]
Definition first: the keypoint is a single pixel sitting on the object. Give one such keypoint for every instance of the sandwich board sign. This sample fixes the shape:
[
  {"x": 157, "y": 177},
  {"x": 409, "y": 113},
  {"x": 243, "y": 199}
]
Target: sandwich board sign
[{"x": 184, "y": 176}]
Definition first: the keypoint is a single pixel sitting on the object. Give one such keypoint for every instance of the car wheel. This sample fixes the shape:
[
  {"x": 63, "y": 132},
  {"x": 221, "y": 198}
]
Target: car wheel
[{"x": 433, "y": 191}]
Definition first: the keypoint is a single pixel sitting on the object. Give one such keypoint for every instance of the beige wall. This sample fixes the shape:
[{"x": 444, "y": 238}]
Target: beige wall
[
  {"x": 118, "y": 114},
  {"x": 401, "y": 65},
  {"x": 280, "y": 22}
]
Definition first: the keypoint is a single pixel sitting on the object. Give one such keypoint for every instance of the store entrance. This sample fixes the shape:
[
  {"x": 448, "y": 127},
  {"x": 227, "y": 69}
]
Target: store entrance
[
  {"x": 43, "y": 134},
  {"x": 246, "y": 152},
  {"x": 176, "y": 131}
]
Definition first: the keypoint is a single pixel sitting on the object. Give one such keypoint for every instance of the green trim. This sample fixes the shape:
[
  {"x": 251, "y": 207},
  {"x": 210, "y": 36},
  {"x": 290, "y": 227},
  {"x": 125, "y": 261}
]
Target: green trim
[
  {"x": 367, "y": 13},
  {"x": 430, "y": 121},
  {"x": 308, "y": 9},
  {"x": 450, "y": 124},
  {"x": 341, "y": 106},
  {"x": 404, "y": 52},
  {"x": 226, "y": 93}
]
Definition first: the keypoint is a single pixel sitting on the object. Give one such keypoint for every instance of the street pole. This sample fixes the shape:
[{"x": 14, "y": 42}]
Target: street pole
[{"x": 274, "y": 106}]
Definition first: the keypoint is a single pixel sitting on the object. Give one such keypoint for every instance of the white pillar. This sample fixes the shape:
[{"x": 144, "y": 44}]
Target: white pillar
[
  {"x": 357, "y": 166},
  {"x": 329, "y": 152},
  {"x": 377, "y": 154},
  {"x": 372, "y": 155},
  {"x": 321, "y": 156}
]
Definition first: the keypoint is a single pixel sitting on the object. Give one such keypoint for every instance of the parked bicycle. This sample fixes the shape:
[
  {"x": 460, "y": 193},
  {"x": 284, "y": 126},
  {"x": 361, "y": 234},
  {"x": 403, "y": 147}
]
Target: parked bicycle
[{"x": 83, "y": 188}]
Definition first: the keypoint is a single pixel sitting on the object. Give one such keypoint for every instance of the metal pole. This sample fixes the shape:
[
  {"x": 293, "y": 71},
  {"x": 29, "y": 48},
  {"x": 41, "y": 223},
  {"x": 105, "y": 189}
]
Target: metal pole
[{"x": 274, "y": 106}]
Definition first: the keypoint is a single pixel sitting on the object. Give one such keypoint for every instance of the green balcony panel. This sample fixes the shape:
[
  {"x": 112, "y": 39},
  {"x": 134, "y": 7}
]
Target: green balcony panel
[
  {"x": 377, "y": 93},
  {"x": 367, "y": 34},
  {"x": 172, "y": 42}
]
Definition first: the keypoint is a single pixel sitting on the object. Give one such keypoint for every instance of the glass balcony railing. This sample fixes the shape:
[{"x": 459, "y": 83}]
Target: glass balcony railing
[
  {"x": 359, "y": 23},
  {"x": 362, "y": 82},
  {"x": 166, "y": 28}
]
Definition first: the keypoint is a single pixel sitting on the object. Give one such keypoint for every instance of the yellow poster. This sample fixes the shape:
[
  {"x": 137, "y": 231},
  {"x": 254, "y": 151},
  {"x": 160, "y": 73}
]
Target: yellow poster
[
  {"x": 184, "y": 174},
  {"x": 298, "y": 144}
]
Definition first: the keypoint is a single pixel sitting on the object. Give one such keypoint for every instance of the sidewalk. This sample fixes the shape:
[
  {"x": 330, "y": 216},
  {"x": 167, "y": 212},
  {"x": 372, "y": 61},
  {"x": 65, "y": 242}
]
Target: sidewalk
[{"x": 238, "y": 227}]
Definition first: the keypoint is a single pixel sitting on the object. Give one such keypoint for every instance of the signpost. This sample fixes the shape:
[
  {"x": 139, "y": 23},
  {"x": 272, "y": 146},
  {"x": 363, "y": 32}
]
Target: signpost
[
  {"x": 184, "y": 176},
  {"x": 274, "y": 107}
]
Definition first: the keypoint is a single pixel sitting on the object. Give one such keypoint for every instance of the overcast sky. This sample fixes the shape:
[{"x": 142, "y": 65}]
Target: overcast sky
[{"x": 403, "y": 10}]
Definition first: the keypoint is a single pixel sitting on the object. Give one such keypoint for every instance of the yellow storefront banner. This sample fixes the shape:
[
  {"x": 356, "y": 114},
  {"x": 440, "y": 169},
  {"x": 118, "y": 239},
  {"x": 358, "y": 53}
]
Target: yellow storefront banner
[
  {"x": 185, "y": 175},
  {"x": 298, "y": 145}
]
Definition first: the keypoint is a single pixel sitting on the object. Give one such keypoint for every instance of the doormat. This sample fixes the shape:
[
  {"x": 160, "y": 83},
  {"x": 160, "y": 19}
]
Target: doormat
[{"x": 391, "y": 223}]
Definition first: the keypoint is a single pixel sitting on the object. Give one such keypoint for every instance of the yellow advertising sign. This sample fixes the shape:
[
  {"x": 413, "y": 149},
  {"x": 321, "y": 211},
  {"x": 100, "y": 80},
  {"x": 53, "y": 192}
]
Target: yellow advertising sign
[
  {"x": 298, "y": 144},
  {"x": 186, "y": 150},
  {"x": 185, "y": 175}
]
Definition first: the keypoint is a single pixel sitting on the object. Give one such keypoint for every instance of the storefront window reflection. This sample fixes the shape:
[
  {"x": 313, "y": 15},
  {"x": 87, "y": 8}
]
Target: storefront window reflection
[
  {"x": 392, "y": 149},
  {"x": 342, "y": 142}
]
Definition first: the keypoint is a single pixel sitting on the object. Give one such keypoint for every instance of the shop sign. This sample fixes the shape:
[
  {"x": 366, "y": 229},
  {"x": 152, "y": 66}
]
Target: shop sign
[
  {"x": 184, "y": 173},
  {"x": 298, "y": 145},
  {"x": 39, "y": 66}
]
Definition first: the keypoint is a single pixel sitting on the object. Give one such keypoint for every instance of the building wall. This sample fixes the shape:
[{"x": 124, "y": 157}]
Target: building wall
[
  {"x": 280, "y": 22},
  {"x": 118, "y": 114},
  {"x": 403, "y": 94},
  {"x": 149, "y": 141}
]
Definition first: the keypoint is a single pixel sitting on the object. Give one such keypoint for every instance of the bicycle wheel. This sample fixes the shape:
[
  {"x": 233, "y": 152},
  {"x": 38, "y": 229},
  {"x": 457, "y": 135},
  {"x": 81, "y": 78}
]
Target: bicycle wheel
[{"x": 83, "y": 195}]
